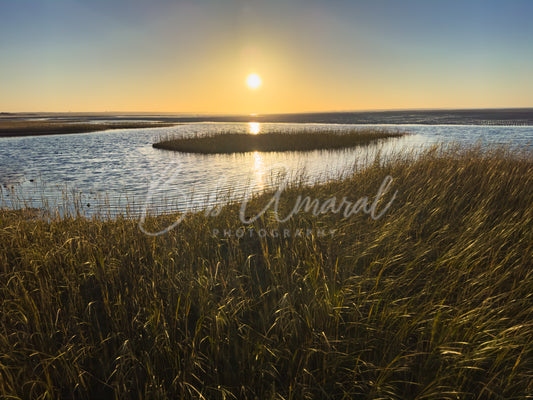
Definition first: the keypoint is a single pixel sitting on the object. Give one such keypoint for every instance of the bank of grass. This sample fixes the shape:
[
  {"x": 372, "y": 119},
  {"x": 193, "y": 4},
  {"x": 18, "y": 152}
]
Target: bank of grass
[
  {"x": 304, "y": 140},
  {"x": 9, "y": 128},
  {"x": 432, "y": 301}
]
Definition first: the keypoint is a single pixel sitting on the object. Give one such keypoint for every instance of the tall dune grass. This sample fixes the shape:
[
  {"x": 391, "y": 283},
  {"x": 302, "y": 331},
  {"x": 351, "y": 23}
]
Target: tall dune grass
[
  {"x": 305, "y": 140},
  {"x": 432, "y": 301}
]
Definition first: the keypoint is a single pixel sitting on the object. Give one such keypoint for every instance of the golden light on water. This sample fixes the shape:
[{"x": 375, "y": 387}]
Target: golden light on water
[
  {"x": 253, "y": 81},
  {"x": 254, "y": 127},
  {"x": 259, "y": 170}
]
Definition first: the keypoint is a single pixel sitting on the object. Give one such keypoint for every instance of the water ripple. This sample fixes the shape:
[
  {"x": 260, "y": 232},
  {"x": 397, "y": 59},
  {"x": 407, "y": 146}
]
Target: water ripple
[{"x": 110, "y": 169}]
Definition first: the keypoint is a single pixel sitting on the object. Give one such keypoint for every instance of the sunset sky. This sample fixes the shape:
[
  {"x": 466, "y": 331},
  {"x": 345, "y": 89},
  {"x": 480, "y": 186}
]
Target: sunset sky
[{"x": 195, "y": 56}]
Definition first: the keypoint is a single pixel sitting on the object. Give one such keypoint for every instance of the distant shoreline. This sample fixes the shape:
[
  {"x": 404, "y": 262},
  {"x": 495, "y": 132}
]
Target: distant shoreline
[
  {"x": 485, "y": 117},
  {"x": 17, "y": 128},
  {"x": 37, "y": 124}
]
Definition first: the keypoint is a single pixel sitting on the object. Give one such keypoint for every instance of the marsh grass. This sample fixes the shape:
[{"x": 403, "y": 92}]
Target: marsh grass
[
  {"x": 432, "y": 301},
  {"x": 27, "y": 128},
  {"x": 304, "y": 140}
]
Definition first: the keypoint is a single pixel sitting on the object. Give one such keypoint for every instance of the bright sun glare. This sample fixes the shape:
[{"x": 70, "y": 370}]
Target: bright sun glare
[{"x": 253, "y": 81}]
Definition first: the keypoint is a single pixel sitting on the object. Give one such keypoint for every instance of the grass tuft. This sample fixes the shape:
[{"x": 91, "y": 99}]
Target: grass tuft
[
  {"x": 29, "y": 128},
  {"x": 305, "y": 140}
]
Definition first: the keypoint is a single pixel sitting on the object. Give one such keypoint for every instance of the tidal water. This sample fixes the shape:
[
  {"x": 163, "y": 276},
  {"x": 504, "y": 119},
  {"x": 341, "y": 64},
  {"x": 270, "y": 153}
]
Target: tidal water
[{"x": 118, "y": 170}]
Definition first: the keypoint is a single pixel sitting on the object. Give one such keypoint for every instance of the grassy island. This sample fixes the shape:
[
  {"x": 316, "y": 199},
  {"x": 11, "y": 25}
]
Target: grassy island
[
  {"x": 10, "y": 128},
  {"x": 431, "y": 301},
  {"x": 306, "y": 140}
]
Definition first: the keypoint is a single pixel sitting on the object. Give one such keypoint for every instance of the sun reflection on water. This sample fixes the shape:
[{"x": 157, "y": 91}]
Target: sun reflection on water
[
  {"x": 254, "y": 127},
  {"x": 259, "y": 170}
]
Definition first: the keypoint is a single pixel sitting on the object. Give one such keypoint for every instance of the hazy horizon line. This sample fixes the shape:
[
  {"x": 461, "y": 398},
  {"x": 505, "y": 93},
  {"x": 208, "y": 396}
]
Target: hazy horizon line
[{"x": 271, "y": 113}]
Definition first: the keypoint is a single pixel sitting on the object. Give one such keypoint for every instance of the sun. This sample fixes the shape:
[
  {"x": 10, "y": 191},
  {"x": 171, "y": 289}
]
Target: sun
[{"x": 253, "y": 81}]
